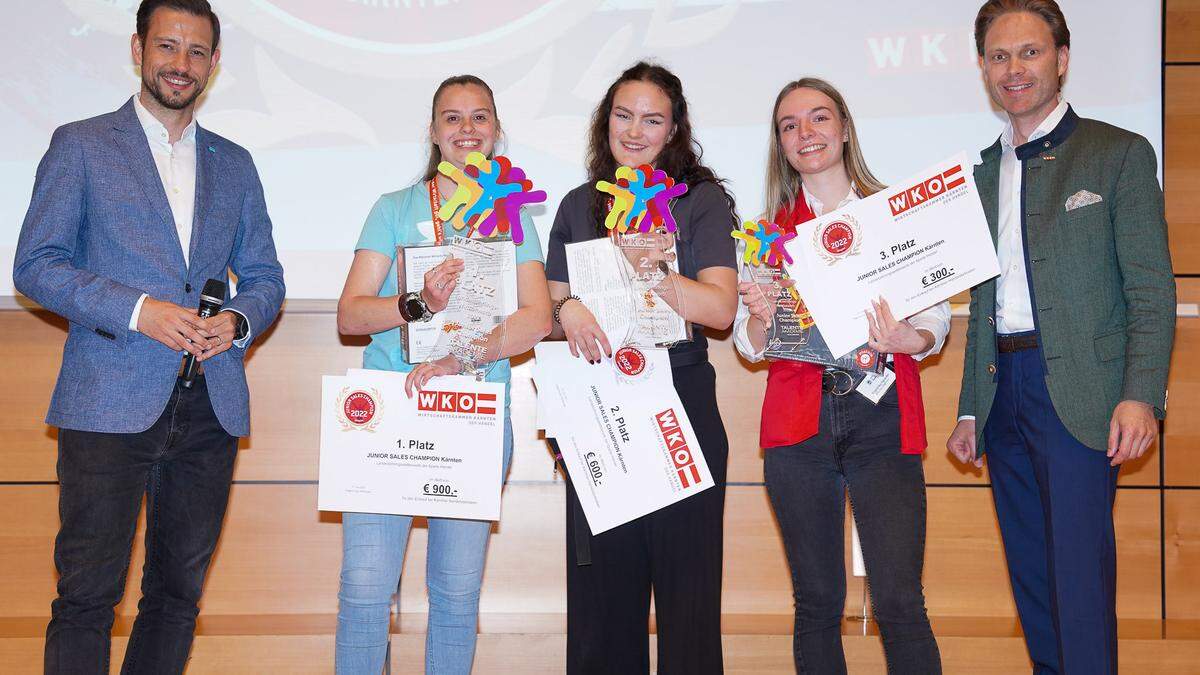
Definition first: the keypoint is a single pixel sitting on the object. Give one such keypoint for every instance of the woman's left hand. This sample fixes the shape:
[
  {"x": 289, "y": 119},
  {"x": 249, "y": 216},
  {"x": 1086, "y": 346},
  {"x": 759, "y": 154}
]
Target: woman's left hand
[
  {"x": 890, "y": 336},
  {"x": 418, "y": 377}
]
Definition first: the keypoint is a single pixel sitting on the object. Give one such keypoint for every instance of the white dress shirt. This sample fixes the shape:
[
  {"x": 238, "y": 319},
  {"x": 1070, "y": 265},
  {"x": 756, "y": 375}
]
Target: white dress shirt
[
  {"x": 1014, "y": 313},
  {"x": 1014, "y": 308},
  {"x": 936, "y": 319},
  {"x": 176, "y": 164}
]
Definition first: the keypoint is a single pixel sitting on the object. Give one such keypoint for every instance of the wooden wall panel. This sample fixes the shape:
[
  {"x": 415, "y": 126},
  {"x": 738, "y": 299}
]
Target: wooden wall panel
[
  {"x": 1182, "y": 166},
  {"x": 29, "y": 361},
  {"x": 285, "y": 367},
  {"x": 1183, "y": 558},
  {"x": 1182, "y": 426},
  {"x": 279, "y": 556},
  {"x": 1183, "y": 30}
]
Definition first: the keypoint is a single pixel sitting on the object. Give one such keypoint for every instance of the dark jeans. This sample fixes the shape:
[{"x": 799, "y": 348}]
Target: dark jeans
[
  {"x": 674, "y": 552},
  {"x": 183, "y": 464},
  {"x": 1054, "y": 500},
  {"x": 856, "y": 448}
]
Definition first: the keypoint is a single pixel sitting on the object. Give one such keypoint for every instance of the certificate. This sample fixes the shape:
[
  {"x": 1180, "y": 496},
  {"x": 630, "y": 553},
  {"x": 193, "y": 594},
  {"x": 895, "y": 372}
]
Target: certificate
[
  {"x": 485, "y": 296},
  {"x": 437, "y": 454},
  {"x": 629, "y": 448},
  {"x": 623, "y": 300},
  {"x": 915, "y": 244}
]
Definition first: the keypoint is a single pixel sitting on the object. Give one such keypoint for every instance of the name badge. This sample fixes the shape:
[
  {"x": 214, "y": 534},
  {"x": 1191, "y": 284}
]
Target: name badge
[{"x": 875, "y": 386}]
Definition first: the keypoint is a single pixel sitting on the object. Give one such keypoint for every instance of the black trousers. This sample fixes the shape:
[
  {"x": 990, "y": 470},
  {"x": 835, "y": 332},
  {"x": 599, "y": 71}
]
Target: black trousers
[
  {"x": 183, "y": 464},
  {"x": 676, "y": 552}
]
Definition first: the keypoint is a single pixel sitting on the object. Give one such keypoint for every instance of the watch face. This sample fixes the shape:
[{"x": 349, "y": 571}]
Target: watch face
[{"x": 415, "y": 309}]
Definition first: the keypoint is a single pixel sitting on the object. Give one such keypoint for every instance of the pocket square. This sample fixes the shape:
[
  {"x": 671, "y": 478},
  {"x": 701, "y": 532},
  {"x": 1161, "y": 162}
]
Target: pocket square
[{"x": 1081, "y": 199}]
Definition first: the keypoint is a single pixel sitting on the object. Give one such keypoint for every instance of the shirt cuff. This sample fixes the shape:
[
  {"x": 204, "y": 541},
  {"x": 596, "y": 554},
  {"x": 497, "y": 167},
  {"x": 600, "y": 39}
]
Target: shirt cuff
[
  {"x": 242, "y": 343},
  {"x": 741, "y": 339},
  {"x": 137, "y": 312},
  {"x": 936, "y": 320},
  {"x": 966, "y": 417}
]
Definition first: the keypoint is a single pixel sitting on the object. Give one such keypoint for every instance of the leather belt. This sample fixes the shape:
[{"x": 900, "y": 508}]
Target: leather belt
[
  {"x": 836, "y": 382},
  {"x": 1006, "y": 344}
]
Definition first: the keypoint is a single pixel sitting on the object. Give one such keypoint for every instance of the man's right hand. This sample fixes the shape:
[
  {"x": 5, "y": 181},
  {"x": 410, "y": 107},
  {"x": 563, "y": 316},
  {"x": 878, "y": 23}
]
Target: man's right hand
[
  {"x": 174, "y": 326},
  {"x": 961, "y": 443}
]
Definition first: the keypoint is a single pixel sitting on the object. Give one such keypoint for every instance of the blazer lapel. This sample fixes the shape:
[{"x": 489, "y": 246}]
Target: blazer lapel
[
  {"x": 131, "y": 138},
  {"x": 987, "y": 182},
  {"x": 206, "y": 164}
]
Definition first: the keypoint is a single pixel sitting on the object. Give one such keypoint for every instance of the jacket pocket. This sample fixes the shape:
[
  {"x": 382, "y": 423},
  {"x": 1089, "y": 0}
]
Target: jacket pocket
[{"x": 1111, "y": 346}]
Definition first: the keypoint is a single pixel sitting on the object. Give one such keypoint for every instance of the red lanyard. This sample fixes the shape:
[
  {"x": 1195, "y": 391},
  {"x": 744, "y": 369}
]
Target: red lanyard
[{"x": 439, "y": 225}]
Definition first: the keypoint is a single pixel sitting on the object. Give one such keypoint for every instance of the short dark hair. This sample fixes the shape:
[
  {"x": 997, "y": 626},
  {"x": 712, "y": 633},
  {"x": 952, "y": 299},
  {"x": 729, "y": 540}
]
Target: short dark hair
[
  {"x": 199, "y": 8},
  {"x": 1047, "y": 10}
]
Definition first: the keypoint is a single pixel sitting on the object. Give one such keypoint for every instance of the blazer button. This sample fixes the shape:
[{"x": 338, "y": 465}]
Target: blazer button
[
  {"x": 991, "y": 369},
  {"x": 187, "y": 288}
]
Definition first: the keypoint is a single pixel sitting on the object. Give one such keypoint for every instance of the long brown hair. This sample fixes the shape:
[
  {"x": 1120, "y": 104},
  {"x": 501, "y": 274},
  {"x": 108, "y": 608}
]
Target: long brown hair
[
  {"x": 783, "y": 181},
  {"x": 435, "y": 153},
  {"x": 680, "y": 157}
]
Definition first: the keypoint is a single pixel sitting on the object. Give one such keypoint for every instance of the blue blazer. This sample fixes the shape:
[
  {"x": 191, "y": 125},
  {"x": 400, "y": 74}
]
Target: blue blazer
[{"x": 99, "y": 233}]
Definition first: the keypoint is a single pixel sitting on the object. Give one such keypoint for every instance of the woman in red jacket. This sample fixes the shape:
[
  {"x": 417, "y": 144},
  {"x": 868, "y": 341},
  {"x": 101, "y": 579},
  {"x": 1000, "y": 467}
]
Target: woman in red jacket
[{"x": 822, "y": 438}]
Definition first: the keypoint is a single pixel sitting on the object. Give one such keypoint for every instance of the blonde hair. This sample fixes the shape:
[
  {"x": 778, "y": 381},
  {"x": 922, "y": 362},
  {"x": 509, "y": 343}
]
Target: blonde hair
[{"x": 783, "y": 181}]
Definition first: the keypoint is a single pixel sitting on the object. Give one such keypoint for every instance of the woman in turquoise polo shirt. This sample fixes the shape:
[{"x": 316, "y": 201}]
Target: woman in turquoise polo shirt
[{"x": 463, "y": 121}]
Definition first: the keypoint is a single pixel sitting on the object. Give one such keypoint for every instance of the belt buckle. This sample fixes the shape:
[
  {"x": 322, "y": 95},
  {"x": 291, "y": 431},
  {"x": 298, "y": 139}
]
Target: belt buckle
[{"x": 840, "y": 382}]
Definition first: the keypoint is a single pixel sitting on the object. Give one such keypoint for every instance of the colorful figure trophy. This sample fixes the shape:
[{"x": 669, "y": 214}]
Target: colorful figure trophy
[
  {"x": 792, "y": 334},
  {"x": 642, "y": 229},
  {"x": 488, "y": 200}
]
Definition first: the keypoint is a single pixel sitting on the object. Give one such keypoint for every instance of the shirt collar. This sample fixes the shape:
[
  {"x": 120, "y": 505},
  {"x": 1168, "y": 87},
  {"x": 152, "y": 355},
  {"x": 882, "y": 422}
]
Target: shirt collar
[
  {"x": 1047, "y": 125},
  {"x": 816, "y": 205},
  {"x": 156, "y": 129}
]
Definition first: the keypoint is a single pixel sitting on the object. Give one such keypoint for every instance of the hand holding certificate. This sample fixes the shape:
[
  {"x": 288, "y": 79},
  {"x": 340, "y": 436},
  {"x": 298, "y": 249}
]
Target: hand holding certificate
[
  {"x": 438, "y": 453},
  {"x": 915, "y": 245},
  {"x": 629, "y": 448}
]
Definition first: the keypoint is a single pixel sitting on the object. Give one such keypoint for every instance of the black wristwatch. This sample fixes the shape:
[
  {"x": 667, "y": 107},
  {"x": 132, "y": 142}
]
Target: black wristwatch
[
  {"x": 241, "y": 327},
  {"x": 413, "y": 308}
]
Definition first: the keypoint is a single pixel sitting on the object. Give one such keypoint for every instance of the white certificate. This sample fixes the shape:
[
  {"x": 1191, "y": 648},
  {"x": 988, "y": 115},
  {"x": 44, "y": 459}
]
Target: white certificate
[
  {"x": 486, "y": 293},
  {"x": 603, "y": 279},
  {"x": 629, "y": 447},
  {"x": 438, "y": 454},
  {"x": 916, "y": 244}
]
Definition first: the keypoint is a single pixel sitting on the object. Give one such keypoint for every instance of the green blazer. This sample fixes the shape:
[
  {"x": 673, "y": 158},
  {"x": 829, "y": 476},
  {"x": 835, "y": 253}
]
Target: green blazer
[{"x": 1102, "y": 287}]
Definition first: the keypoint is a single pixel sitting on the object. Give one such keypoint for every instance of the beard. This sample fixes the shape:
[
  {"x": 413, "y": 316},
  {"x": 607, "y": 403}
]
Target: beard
[{"x": 169, "y": 99}]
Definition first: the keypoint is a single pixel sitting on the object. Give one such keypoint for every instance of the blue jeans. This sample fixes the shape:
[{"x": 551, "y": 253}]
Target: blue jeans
[
  {"x": 373, "y": 548},
  {"x": 856, "y": 450}
]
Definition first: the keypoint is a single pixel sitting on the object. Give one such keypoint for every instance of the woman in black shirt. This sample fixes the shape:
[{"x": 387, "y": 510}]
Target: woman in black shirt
[{"x": 676, "y": 551}]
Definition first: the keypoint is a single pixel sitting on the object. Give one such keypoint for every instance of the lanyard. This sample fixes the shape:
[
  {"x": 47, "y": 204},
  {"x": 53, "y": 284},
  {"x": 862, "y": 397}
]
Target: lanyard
[{"x": 435, "y": 205}]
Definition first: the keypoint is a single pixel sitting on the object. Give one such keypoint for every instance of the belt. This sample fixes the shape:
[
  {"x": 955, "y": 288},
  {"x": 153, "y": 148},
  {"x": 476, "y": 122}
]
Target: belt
[
  {"x": 836, "y": 382},
  {"x": 691, "y": 357},
  {"x": 1018, "y": 342}
]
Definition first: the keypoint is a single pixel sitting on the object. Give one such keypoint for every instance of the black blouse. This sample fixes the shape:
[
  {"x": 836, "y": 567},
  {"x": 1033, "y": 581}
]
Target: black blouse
[{"x": 703, "y": 241}]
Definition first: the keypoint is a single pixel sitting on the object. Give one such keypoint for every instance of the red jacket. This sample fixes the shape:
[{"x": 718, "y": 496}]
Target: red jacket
[{"x": 794, "y": 388}]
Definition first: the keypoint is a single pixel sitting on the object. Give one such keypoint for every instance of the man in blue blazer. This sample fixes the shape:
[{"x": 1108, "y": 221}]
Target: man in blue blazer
[{"x": 132, "y": 212}]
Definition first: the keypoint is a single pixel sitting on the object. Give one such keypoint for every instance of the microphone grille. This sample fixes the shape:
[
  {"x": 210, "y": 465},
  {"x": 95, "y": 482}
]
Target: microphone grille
[{"x": 214, "y": 291}]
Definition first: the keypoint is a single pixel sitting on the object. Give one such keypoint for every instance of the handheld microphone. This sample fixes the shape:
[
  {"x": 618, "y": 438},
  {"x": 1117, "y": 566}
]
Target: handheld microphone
[{"x": 211, "y": 299}]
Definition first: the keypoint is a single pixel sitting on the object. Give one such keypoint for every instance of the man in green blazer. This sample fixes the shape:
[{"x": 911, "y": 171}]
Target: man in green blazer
[{"x": 1067, "y": 350}]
